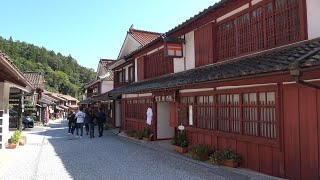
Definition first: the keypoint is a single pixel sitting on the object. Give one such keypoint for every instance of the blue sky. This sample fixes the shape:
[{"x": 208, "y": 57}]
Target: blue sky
[{"x": 90, "y": 29}]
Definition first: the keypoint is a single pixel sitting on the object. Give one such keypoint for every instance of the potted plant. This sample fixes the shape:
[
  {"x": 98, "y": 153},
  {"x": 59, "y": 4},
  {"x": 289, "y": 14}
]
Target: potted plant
[
  {"x": 130, "y": 133},
  {"x": 179, "y": 142},
  {"x": 139, "y": 135},
  {"x": 14, "y": 142},
  {"x": 201, "y": 151},
  {"x": 147, "y": 134},
  {"x": 226, "y": 157}
]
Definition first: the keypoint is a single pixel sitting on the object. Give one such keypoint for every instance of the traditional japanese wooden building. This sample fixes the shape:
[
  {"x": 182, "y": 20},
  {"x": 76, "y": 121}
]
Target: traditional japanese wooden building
[
  {"x": 12, "y": 82},
  {"x": 241, "y": 74},
  {"x": 123, "y": 73}
]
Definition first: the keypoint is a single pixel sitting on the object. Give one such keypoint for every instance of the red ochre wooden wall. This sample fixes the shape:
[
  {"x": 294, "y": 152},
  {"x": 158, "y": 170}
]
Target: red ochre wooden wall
[
  {"x": 296, "y": 155},
  {"x": 301, "y": 117}
]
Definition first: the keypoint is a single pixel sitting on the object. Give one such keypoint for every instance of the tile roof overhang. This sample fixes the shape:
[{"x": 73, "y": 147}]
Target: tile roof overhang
[
  {"x": 11, "y": 73},
  {"x": 35, "y": 78},
  {"x": 279, "y": 59},
  {"x": 143, "y": 37},
  {"x": 47, "y": 100}
]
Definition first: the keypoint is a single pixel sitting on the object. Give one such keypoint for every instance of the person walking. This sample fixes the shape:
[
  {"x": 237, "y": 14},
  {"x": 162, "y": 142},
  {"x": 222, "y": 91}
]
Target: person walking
[
  {"x": 87, "y": 120},
  {"x": 79, "y": 122},
  {"x": 71, "y": 122},
  {"x": 91, "y": 123},
  {"x": 101, "y": 117}
]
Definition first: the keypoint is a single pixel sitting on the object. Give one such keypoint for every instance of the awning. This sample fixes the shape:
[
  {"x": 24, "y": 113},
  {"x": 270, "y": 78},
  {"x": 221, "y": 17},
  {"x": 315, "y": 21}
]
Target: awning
[
  {"x": 73, "y": 106},
  {"x": 58, "y": 108},
  {"x": 63, "y": 107},
  {"x": 87, "y": 101}
]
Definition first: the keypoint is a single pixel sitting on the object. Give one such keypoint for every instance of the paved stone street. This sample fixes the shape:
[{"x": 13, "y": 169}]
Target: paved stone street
[{"x": 51, "y": 154}]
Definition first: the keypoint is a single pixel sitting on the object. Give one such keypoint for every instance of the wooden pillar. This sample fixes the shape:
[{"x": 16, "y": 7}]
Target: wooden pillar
[{"x": 173, "y": 114}]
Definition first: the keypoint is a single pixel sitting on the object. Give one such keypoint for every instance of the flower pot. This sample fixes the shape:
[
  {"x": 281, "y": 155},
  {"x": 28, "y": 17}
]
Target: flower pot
[
  {"x": 23, "y": 140},
  {"x": 230, "y": 163},
  {"x": 13, "y": 146},
  {"x": 180, "y": 149}
]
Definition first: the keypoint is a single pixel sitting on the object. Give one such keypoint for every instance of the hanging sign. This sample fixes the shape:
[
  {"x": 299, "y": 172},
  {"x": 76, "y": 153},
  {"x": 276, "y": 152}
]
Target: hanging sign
[
  {"x": 168, "y": 96},
  {"x": 190, "y": 115},
  {"x": 173, "y": 49}
]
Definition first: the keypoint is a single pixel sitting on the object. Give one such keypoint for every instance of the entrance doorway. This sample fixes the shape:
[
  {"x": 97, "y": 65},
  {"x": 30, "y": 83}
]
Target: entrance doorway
[{"x": 164, "y": 130}]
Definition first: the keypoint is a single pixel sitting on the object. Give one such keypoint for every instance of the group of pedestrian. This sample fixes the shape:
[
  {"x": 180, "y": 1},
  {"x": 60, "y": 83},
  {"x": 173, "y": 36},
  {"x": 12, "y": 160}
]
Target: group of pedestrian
[{"x": 76, "y": 121}]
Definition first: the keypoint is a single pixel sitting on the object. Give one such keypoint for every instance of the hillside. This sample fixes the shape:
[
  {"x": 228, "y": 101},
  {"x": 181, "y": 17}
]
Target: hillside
[{"x": 62, "y": 74}]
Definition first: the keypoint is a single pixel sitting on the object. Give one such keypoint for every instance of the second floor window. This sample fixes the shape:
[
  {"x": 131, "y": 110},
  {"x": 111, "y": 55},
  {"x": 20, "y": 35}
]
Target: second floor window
[{"x": 269, "y": 25}]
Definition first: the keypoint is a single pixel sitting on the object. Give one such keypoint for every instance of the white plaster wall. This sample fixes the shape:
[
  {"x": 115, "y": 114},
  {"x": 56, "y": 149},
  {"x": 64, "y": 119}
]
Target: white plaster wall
[
  {"x": 178, "y": 64},
  {"x": 189, "y": 50},
  {"x": 4, "y": 105},
  {"x": 136, "y": 70},
  {"x": 129, "y": 44},
  {"x": 106, "y": 86},
  {"x": 313, "y": 14},
  {"x": 164, "y": 130}
]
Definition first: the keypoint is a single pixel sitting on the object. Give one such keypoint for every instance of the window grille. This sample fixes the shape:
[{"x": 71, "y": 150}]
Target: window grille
[
  {"x": 252, "y": 114},
  {"x": 270, "y": 25}
]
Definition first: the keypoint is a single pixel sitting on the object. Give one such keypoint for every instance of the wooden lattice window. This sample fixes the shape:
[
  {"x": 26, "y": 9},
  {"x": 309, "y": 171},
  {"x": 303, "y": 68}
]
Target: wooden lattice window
[
  {"x": 259, "y": 115},
  {"x": 156, "y": 65},
  {"x": 228, "y": 112},
  {"x": 269, "y": 25},
  {"x": 252, "y": 114},
  {"x": 136, "y": 108}
]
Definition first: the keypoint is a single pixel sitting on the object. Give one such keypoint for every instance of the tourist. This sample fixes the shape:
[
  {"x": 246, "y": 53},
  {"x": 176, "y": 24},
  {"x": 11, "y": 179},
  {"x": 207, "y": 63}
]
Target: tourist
[
  {"x": 71, "y": 122},
  {"x": 101, "y": 117},
  {"x": 79, "y": 121},
  {"x": 87, "y": 120},
  {"x": 91, "y": 124}
]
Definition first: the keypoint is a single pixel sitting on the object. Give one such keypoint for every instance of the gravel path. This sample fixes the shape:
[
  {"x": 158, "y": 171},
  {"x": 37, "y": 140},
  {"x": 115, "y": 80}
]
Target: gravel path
[{"x": 52, "y": 154}]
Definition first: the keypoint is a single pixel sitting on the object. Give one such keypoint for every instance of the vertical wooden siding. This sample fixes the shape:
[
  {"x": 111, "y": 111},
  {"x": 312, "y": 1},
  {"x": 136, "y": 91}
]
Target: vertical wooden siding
[
  {"x": 140, "y": 68},
  {"x": 301, "y": 132},
  {"x": 203, "y": 40}
]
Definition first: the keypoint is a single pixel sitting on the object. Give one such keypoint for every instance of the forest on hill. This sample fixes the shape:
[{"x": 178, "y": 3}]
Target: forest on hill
[{"x": 62, "y": 74}]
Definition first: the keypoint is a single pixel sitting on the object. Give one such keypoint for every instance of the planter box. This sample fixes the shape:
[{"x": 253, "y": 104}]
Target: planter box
[
  {"x": 202, "y": 157},
  {"x": 146, "y": 139},
  {"x": 230, "y": 163},
  {"x": 180, "y": 149}
]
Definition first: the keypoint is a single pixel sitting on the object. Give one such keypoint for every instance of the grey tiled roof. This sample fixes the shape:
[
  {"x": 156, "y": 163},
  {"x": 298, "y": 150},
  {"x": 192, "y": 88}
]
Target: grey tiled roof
[
  {"x": 35, "y": 78},
  {"x": 274, "y": 60}
]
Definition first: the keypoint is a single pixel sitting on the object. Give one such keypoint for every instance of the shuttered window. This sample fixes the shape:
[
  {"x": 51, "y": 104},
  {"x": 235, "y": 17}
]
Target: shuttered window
[{"x": 204, "y": 45}]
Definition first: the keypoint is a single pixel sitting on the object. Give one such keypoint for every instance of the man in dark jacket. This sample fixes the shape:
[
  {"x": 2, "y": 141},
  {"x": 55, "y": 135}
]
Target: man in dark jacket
[
  {"x": 101, "y": 117},
  {"x": 71, "y": 122}
]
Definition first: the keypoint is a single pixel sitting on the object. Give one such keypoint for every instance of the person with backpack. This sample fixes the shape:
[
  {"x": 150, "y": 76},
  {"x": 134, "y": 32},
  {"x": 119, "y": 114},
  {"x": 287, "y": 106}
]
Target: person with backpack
[{"x": 101, "y": 118}]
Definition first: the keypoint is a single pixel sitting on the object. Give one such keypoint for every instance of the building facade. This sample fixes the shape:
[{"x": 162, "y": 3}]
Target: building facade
[{"x": 242, "y": 75}]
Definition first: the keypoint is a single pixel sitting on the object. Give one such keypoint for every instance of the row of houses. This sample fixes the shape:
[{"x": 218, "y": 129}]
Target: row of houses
[
  {"x": 16, "y": 88},
  {"x": 241, "y": 74}
]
